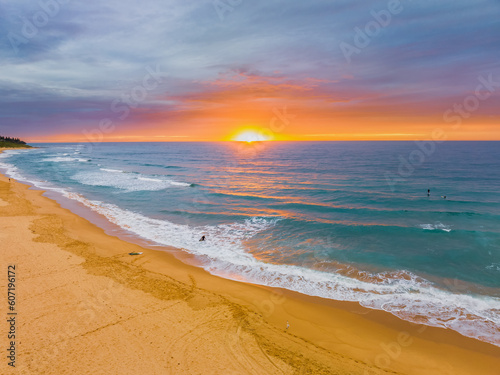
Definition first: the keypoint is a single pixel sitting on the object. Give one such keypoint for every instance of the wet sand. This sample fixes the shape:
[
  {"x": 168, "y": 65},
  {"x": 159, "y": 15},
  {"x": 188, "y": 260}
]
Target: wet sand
[{"x": 87, "y": 307}]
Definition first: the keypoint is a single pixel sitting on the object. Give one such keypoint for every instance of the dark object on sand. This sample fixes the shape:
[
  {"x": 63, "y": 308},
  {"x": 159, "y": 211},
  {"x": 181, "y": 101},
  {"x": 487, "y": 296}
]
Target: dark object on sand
[{"x": 135, "y": 253}]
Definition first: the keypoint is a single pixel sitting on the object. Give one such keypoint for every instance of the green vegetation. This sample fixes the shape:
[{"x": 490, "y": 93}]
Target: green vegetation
[{"x": 12, "y": 142}]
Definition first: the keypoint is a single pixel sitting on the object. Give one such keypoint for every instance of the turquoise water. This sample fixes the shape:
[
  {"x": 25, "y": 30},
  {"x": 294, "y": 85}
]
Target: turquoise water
[{"x": 347, "y": 221}]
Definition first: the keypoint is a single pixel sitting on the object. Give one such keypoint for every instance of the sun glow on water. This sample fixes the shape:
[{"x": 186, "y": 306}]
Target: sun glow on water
[{"x": 250, "y": 136}]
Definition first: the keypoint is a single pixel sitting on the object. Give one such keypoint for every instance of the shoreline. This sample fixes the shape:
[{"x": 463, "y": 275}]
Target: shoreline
[{"x": 324, "y": 335}]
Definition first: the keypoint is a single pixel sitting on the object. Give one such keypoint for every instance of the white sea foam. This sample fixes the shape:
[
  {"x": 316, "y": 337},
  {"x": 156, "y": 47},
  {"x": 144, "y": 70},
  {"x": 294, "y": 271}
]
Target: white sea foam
[
  {"x": 59, "y": 159},
  {"x": 437, "y": 225},
  {"x": 9, "y": 153},
  {"x": 127, "y": 182},
  {"x": 180, "y": 183},
  {"x": 63, "y": 159},
  {"x": 226, "y": 240},
  {"x": 11, "y": 170},
  {"x": 493, "y": 266},
  {"x": 111, "y": 170},
  {"x": 410, "y": 297}
]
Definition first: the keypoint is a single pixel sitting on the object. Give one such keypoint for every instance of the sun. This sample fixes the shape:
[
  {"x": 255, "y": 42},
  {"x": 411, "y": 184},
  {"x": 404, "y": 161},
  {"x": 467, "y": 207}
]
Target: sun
[{"x": 250, "y": 136}]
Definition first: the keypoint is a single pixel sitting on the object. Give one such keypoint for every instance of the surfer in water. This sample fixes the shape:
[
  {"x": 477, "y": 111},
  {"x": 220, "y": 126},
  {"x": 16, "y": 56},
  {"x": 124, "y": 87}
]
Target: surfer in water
[
  {"x": 428, "y": 192},
  {"x": 202, "y": 238}
]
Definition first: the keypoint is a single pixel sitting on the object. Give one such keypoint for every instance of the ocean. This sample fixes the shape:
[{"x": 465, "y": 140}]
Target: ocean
[{"x": 348, "y": 221}]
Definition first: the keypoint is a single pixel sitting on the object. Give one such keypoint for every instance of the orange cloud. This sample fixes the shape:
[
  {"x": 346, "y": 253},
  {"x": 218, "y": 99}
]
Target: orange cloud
[{"x": 286, "y": 109}]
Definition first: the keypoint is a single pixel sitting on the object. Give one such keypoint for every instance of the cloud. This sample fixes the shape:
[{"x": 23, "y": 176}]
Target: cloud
[{"x": 65, "y": 77}]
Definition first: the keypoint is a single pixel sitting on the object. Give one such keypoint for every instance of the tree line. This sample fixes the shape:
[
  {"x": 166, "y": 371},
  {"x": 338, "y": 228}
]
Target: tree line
[{"x": 11, "y": 140}]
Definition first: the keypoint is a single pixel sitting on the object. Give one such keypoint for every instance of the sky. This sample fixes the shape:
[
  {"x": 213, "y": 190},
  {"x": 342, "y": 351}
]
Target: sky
[{"x": 208, "y": 70}]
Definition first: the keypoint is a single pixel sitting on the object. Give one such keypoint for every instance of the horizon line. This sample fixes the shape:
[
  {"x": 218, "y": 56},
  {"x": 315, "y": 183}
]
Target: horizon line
[{"x": 282, "y": 141}]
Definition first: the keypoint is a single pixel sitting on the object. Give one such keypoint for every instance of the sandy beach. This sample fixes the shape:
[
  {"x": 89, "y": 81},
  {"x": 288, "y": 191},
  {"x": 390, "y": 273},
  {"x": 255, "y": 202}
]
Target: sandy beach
[{"x": 85, "y": 306}]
